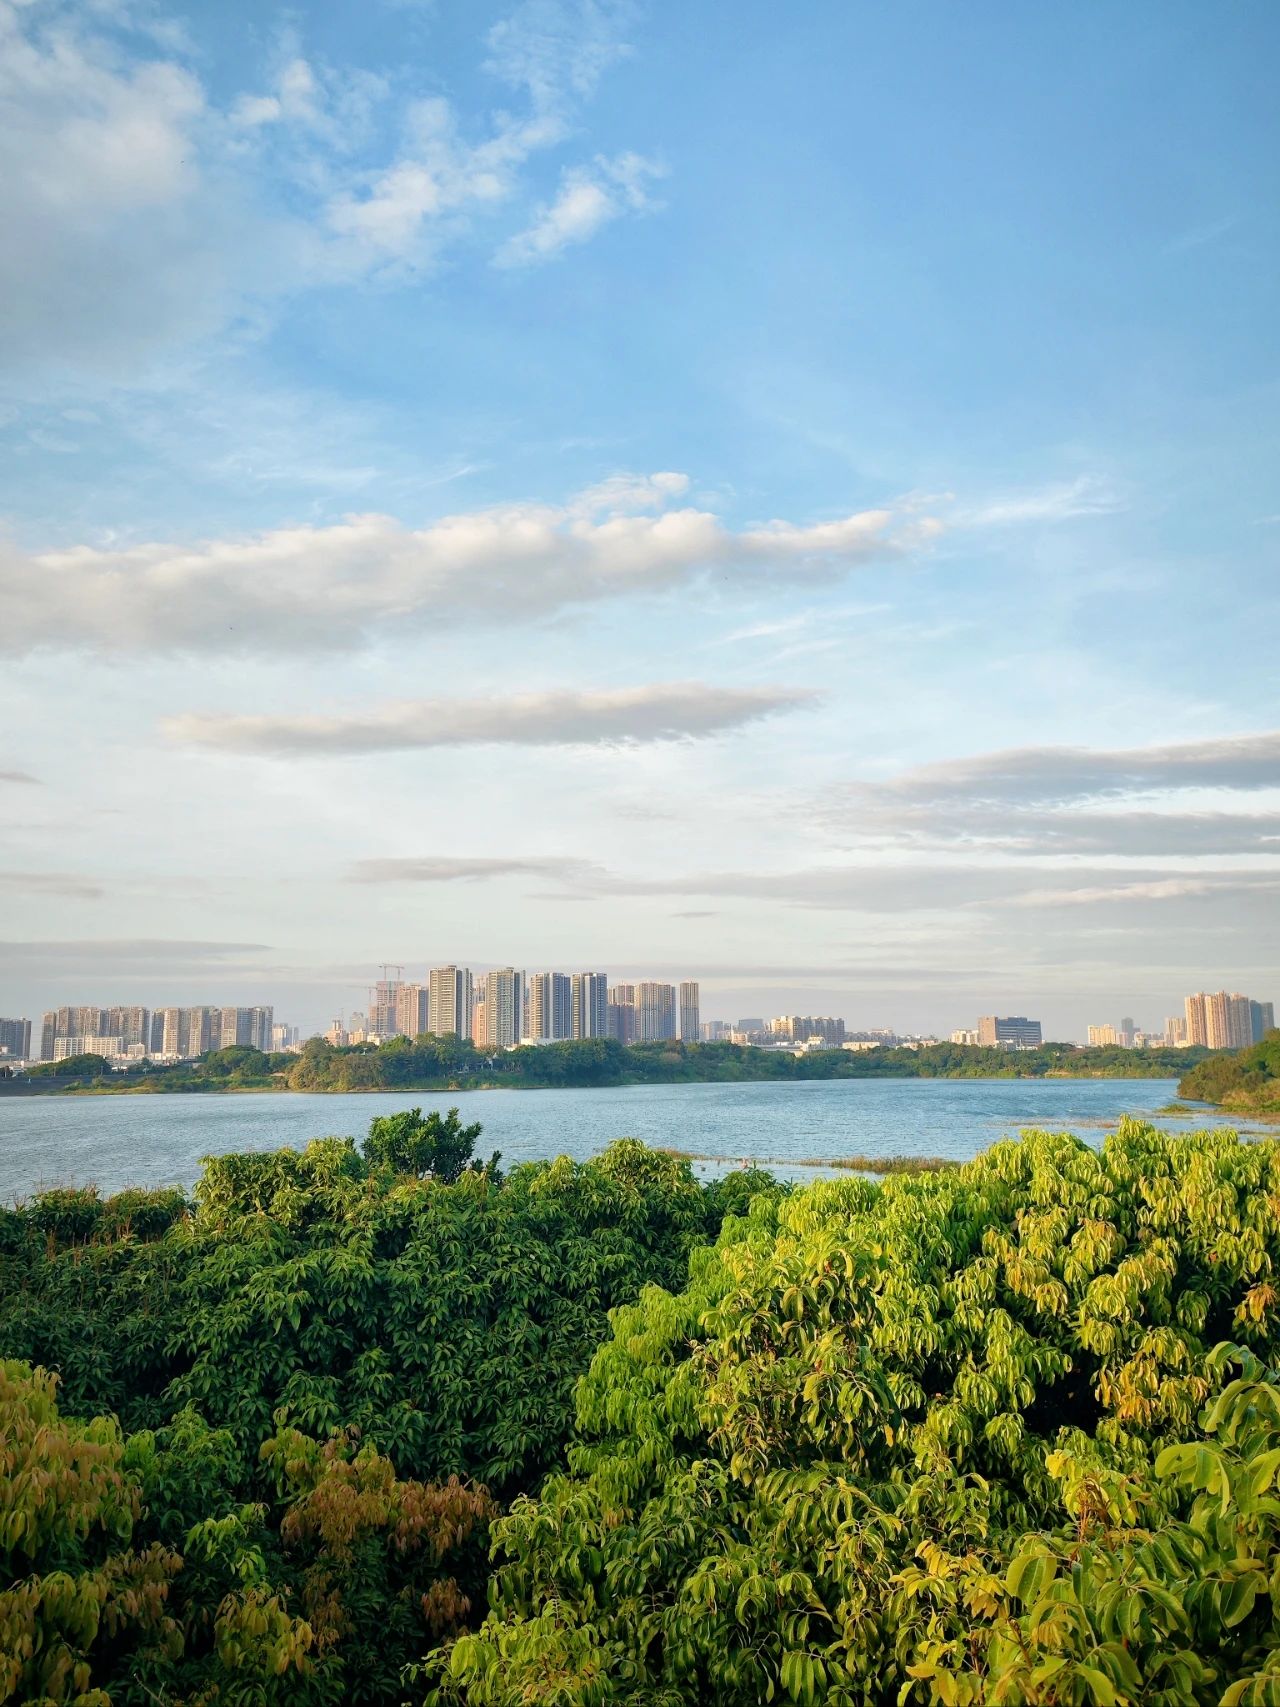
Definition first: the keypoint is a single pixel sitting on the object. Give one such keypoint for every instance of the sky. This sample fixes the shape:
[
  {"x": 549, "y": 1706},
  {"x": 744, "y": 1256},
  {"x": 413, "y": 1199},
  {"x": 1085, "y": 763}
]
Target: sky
[{"x": 784, "y": 496}]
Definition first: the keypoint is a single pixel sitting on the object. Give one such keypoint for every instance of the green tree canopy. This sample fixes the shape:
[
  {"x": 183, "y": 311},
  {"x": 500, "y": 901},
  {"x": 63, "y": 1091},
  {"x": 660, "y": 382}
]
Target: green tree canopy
[{"x": 411, "y": 1143}]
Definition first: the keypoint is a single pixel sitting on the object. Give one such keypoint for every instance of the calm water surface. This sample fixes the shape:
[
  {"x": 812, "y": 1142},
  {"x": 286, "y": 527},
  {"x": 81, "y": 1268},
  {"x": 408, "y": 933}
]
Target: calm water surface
[{"x": 159, "y": 1140}]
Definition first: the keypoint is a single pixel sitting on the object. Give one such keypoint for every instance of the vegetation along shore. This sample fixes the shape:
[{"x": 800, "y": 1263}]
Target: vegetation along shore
[
  {"x": 1247, "y": 1082},
  {"x": 450, "y": 1063}
]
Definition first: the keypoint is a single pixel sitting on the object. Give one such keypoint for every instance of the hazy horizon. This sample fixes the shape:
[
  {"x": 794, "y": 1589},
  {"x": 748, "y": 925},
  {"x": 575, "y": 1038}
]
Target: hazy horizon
[{"x": 784, "y": 502}]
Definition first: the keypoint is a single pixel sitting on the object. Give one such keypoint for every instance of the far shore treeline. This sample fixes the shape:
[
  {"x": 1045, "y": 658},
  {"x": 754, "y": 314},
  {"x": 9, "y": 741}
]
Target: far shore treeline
[{"x": 452, "y": 1063}]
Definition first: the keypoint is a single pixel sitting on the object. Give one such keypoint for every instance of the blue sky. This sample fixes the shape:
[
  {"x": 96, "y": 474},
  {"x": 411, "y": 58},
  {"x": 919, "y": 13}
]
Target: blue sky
[{"x": 584, "y": 484}]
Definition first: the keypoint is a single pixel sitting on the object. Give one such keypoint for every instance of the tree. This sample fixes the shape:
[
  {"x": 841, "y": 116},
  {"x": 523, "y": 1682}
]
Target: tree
[
  {"x": 1007, "y": 1436},
  {"x": 76, "y": 1597},
  {"x": 409, "y": 1143}
]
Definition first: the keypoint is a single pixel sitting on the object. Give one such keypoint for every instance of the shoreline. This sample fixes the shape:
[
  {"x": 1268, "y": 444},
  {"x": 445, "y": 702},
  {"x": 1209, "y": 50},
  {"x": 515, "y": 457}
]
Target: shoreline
[{"x": 441, "y": 1088}]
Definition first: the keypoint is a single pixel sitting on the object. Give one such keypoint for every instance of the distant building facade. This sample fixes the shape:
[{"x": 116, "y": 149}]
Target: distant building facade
[
  {"x": 622, "y": 1012},
  {"x": 504, "y": 1008},
  {"x": 589, "y": 1002},
  {"x": 1223, "y": 1019},
  {"x": 803, "y": 1028},
  {"x": 450, "y": 1001},
  {"x": 15, "y": 1039},
  {"x": 655, "y": 1010},
  {"x": 550, "y": 1007},
  {"x": 1012, "y": 1032},
  {"x": 412, "y": 1010},
  {"x": 689, "y": 1021}
]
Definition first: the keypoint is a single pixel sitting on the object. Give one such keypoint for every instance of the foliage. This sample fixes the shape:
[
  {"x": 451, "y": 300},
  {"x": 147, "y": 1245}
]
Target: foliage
[
  {"x": 1008, "y": 1434},
  {"x": 453, "y": 1063},
  {"x": 1247, "y": 1081},
  {"x": 84, "y": 1067},
  {"x": 320, "y": 1363},
  {"x": 78, "y": 1599},
  {"x": 409, "y": 1144}
]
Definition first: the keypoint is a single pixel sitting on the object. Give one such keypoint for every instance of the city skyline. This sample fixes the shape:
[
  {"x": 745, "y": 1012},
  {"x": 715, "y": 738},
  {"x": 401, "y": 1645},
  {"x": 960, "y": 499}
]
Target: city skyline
[
  {"x": 506, "y": 1006},
  {"x": 520, "y": 478}
]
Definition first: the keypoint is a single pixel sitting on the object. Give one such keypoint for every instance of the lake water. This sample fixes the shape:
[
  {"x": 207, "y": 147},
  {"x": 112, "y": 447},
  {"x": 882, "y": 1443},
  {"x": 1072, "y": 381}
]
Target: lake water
[{"x": 159, "y": 1140}]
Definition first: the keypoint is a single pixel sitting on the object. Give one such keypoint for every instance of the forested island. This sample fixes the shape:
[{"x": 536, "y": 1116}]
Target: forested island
[
  {"x": 1247, "y": 1082},
  {"x": 450, "y": 1063},
  {"x": 378, "y": 1424}
]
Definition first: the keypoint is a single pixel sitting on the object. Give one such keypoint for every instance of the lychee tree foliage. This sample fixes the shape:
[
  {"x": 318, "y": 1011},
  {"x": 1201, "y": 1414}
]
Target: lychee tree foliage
[
  {"x": 132, "y": 1574},
  {"x": 317, "y": 1366},
  {"x": 1004, "y": 1435},
  {"x": 324, "y": 1290}
]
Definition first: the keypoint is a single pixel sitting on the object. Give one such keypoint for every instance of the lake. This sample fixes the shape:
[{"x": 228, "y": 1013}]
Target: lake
[{"x": 159, "y": 1140}]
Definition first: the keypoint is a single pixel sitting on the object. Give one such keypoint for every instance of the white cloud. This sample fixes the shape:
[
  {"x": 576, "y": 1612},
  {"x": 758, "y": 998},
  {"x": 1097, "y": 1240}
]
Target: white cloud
[
  {"x": 141, "y": 215},
  {"x": 100, "y": 195},
  {"x": 662, "y": 712},
  {"x": 303, "y": 589},
  {"x": 1019, "y": 776},
  {"x": 588, "y": 198},
  {"x": 385, "y": 217}
]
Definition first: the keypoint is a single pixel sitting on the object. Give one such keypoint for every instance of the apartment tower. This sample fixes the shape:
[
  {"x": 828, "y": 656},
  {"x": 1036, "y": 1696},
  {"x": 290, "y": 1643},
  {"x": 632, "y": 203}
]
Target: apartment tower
[
  {"x": 450, "y": 999},
  {"x": 550, "y": 1012},
  {"x": 655, "y": 1009},
  {"x": 504, "y": 1007},
  {"x": 589, "y": 1004}
]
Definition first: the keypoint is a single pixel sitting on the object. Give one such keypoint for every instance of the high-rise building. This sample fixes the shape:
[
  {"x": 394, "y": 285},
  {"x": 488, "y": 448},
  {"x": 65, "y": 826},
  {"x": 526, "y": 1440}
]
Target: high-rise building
[
  {"x": 688, "y": 1024},
  {"x": 248, "y": 1028},
  {"x": 1223, "y": 1019},
  {"x": 1220, "y": 1019},
  {"x": 450, "y": 1001},
  {"x": 1104, "y": 1037},
  {"x": 1175, "y": 1031},
  {"x": 412, "y": 1007},
  {"x": 480, "y": 1017},
  {"x": 130, "y": 1025},
  {"x": 15, "y": 1038},
  {"x": 504, "y": 1007},
  {"x": 199, "y": 1030},
  {"x": 1013, "y": 1032},
  {"x": 655, "y": 1007},
  {"x": 622, "y": 1012},
  {"x": 98, "y": 1031},
  {"x": 384, "y": 998},
  {"x": 589, "y": 998},
  {"x": 550, "y": 1011}
]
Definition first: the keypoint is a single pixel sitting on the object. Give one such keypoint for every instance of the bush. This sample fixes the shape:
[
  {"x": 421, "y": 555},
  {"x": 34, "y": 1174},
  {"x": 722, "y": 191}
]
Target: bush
[{"x": 975, "y": 1437}]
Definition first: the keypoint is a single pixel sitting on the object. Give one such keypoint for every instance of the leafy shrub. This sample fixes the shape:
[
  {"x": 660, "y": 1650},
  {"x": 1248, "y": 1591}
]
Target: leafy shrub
[{"x": 980, "y": 1436}]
